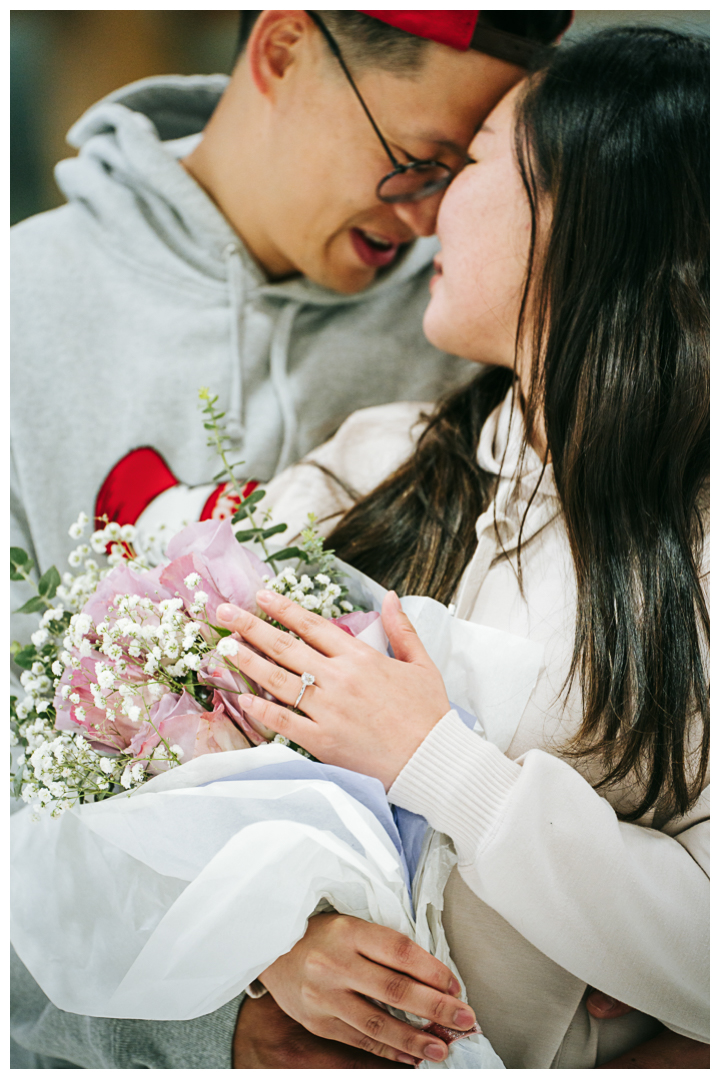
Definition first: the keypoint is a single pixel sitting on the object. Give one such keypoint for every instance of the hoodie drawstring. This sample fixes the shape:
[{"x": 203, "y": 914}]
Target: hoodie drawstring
[
  {"x": 235, "y": 422},
  {"x": 279, "y": 378},
  {"x": 279, "y": 348}
]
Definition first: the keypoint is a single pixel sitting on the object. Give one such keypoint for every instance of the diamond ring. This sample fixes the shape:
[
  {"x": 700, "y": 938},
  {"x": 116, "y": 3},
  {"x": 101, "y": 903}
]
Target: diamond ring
[{"x": 307, "y": 680}]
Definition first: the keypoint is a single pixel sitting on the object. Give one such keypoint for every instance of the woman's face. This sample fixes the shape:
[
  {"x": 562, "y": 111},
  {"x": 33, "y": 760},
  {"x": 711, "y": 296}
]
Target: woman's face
[{"x": 484, "y": 229}]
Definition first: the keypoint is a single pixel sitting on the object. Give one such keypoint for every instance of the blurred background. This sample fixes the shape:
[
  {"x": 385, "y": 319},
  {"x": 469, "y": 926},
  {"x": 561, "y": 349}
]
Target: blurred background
[{"x": 61, "y": 62}]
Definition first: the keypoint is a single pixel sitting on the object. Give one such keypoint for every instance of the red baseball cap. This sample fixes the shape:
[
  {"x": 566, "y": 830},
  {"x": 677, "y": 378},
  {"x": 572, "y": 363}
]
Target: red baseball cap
[{"x": 465, "y": 30}]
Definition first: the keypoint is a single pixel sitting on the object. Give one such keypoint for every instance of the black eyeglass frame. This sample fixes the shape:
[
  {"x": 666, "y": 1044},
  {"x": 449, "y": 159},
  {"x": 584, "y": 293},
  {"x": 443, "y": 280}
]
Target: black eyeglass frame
[{"x": 399, "y": 167}]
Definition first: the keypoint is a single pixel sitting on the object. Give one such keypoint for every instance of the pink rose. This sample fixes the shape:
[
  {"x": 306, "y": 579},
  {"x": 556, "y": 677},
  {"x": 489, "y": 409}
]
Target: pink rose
[
  {"x": 230, "y": 573},
  {"x": 365, "y": 626},
  {"x": 94, "y": 724},
  {"x": 219, "y": 672},
  {"x": 123, "y": 581},
  {"x": 181, "y": 721}
]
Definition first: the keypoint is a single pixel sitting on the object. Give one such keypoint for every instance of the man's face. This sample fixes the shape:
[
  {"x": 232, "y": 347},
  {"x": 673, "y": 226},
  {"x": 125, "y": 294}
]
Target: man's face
[{"x": 323, "y": 161}]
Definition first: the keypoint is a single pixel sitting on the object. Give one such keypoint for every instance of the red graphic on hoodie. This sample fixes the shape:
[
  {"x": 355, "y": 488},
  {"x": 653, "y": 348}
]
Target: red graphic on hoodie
[{"x": 142, "y": 476}]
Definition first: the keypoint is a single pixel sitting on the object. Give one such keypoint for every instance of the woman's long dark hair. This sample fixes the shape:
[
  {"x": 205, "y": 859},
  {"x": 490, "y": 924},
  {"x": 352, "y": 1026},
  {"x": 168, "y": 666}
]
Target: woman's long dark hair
[{"x": 613, "y": 136}]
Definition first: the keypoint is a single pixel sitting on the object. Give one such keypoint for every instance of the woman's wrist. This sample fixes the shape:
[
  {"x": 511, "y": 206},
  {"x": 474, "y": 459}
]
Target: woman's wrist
[{"x": 458, "y": 781}]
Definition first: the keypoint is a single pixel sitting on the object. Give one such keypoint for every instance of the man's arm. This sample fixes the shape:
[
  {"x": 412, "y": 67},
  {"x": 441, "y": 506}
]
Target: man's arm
[{"x": 96, "y": 1042}]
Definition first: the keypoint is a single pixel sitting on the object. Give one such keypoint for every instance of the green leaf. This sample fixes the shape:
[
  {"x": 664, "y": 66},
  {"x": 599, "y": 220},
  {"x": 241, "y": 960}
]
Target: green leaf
[
  {"x": 221, "y": 630},
  {"x": 19, "y": 561},
  {"x": 248, "y": 534},
  {"x": 35, "y": 603},
  {"x": 288, "y": 553},
  {"x": 26, "y": 657},
  {"x": 48, "y": 583},
  {"x": 18, "y": 781},
  {"x": 247, "y": 504},
  {"x": 219, "y": 475},
  {"x": 273, "y": 530}
]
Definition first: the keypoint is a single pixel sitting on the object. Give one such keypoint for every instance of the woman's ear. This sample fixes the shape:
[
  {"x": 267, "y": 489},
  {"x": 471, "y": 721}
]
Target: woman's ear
[{"x": 274, "y": 46}]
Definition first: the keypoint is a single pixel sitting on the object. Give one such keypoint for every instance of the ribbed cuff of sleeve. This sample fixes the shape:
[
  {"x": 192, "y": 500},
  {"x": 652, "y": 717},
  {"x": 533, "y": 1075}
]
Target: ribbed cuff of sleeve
[{"x": 459, "y": 782}]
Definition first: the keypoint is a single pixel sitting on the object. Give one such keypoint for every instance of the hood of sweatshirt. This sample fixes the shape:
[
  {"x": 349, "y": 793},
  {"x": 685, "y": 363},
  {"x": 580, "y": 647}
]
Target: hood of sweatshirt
[{"x": 128, "y": 179}]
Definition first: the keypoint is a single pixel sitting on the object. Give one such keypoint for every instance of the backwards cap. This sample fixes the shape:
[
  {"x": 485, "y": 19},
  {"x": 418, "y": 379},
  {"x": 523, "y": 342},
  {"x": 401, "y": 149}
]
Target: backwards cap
[{"x": 465, "y": 30}]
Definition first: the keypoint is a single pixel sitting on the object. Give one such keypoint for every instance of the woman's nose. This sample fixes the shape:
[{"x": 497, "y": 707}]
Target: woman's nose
[{"x": 420, "y": 216}]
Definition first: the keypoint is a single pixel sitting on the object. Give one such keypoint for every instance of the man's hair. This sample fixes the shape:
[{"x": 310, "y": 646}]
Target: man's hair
[
  {"x": 368, "y": 42},
  {"x": 365, "y": 42}
]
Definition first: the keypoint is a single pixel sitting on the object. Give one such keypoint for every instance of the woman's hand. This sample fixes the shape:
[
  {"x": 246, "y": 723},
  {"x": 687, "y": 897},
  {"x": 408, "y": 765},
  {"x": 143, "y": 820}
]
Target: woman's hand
[
  {"x": 365, "y": 711},
  {"x": 328, "y": 980}
]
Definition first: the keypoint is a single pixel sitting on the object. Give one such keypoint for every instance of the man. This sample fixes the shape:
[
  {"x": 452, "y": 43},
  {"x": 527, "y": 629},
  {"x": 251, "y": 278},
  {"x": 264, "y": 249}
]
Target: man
[{"x": 267, "y": 236}]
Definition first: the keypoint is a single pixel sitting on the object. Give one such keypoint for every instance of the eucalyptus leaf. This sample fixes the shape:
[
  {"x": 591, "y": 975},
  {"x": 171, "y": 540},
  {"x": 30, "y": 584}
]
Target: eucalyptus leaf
[
  {"x": 248, "y": 534},
  {"x": 288, "y": 553},
  {"x": 274, "y": 530},
  {"x": 26, "y": 657},
  {"x": 48, "y": 583},
  {"x": 35, "y": 603},
  {"x": 247, "y": 504},
  {"x": 19, "y": 560},
  {"x": 221, "y": 630},
  {"x": 18, "y": 781}
]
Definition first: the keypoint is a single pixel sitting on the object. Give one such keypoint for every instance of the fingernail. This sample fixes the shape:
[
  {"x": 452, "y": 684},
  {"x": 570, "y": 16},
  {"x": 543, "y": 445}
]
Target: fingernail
[
  {"x": 406, "y": 1059},
  {"x": 265, "y": 596},
  {"x": 434, "y": 1051},
  {"x": 463, "y": 1018},
  {"x": 602, "y": 1002},
  {"x": 454, "y": 987},
  {"x": 245, "y": 701},
  {"x": 226, "y": 613}
]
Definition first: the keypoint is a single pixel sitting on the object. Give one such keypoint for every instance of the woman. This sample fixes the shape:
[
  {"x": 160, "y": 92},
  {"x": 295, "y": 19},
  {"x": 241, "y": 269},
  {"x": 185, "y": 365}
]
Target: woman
[{"x": 562, "y": 497}]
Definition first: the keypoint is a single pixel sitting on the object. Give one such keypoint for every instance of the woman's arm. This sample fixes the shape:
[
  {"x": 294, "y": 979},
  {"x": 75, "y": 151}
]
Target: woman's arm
[{"x": 622, "y": 907}]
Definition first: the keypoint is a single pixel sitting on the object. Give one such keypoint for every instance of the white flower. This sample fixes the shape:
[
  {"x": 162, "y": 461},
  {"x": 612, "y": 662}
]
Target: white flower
[
  {"x": 126, "y": 778},
  {"x": 90, "y": 565},
  {"x": 128, "y": 533},
  {"x": 322, "y": 579},
  {"x": 201, "y": 598},
  {"x": 42, "y": 706},
  {"x": 105, "y": 677},
  {"x": 37, "y": 668},
  {"x": 51, "y": 615},
  {"x": 192, "y": 581},
  {"x": 75, "y": 531},
  {"x": 99, "y": 541},
  {"x": 79, "y": 713},
  {"x": 177, "y": 751},
  {"x": 138, "y": 772},
  {"x": 85, "y": 648},
  {"x": 133, "y": 712},
  {"x": 39, "y": 638},
  {"x": 65, "y": 692},
  {"x": 346, "y": 605},
  {"x": 75, "y": 698},
  {"x": 227, "y": 646},
  {"x": 113, "y": 531},
  {"x": 74, "y": 558},
  {"x": 106, "y": 765},
  {"x": 192, "y": 660},
  {"x": 310, "y": 602}
]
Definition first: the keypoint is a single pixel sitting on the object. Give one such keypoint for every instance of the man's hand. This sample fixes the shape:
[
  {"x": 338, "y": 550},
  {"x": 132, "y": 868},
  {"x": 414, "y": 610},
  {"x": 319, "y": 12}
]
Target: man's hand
[
  {"x": 332, "y": 978},
  {"x": 267, "y": 1038},
  {"x": 668, "y": 1050}
]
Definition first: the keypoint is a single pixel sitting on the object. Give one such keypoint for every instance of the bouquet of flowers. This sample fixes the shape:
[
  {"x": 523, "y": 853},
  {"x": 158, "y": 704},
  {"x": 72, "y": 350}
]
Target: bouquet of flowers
[
  {"x": 172, "y": 850},
  {"x": 128, "y": 674}
]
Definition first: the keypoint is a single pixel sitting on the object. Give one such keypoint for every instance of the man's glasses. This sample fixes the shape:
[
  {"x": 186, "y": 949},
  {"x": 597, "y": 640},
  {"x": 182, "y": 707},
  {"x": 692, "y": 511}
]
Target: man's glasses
[{"x": 409, "y": 181}]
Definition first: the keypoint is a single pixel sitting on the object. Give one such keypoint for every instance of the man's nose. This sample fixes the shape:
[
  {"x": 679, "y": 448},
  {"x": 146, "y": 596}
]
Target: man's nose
[{"x": 420, "y": 216}]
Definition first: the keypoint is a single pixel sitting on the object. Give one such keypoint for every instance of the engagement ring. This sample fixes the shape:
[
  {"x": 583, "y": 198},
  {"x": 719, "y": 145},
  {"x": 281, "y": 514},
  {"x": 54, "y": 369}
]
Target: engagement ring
[{"x": 307, "y": 680}]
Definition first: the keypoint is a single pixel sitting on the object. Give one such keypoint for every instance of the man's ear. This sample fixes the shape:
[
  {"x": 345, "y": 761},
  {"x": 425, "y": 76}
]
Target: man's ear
[{"x": 274, "y": 45}]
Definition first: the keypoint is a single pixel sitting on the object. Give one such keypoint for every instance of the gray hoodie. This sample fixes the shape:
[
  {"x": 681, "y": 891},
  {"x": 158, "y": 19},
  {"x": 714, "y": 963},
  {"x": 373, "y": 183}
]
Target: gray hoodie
[{"x": 138, "y": 292}]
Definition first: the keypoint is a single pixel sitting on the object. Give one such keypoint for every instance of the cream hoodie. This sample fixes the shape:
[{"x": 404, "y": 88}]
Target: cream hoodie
[{"x": 552, "y": 893}]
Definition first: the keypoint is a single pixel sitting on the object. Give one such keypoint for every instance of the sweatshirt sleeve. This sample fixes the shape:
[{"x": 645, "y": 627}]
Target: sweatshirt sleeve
[
  {"x": 623, "y": 907},
  {"x": 53, "y": 1038}
]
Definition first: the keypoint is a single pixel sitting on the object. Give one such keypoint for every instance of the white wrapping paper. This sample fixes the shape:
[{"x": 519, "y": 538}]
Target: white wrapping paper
[{"x": 167, "y": 902}]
